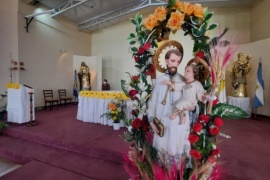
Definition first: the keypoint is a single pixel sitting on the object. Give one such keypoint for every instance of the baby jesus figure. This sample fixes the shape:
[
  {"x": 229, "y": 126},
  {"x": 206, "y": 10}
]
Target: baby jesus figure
[{"x": 192, "y": 91}]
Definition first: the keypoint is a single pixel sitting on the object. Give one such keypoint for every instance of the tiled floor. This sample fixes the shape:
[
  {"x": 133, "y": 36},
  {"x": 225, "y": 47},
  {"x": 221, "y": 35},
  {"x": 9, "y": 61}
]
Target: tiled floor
[{"x": 7, "y": 166}]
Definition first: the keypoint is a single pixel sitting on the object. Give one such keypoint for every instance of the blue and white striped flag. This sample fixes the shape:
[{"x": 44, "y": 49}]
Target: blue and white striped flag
[
  {"x": 258, "y": 99},
  {"x": 75, "y": 91}
]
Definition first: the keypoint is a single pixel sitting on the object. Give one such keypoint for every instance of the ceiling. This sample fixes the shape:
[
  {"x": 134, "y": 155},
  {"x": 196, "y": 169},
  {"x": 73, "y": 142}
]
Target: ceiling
[{"x": 96, "y": 14}]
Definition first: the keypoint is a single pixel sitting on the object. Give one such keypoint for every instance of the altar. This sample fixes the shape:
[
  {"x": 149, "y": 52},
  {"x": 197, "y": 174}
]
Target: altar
[
  {"x": 241, "y": 102},
  {"x": 18, "y": 103},
  {"x": 93, "y": 104}
]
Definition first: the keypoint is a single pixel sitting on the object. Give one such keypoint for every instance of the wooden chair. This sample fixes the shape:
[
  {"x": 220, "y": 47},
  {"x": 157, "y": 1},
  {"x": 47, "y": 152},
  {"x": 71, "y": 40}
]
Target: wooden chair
[
  {"x": 63, "y": 96},
  {"x": 48, "y": 98}
]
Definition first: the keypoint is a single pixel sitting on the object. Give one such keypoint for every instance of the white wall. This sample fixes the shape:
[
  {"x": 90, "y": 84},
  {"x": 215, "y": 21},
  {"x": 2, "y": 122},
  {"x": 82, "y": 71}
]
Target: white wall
[
  {"x": 260, "y": 25},
  {"x": 112, "y": 44},
  {"x": 8, "y": 41},
  {"x": 47, "y": 66}
]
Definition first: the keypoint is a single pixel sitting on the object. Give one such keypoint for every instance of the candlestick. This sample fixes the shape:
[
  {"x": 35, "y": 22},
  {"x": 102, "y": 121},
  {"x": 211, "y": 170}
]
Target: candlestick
[{"x": 31, "y": 122}]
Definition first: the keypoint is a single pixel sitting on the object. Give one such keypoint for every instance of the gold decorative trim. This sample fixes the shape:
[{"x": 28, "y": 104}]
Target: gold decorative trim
[
  {"x": 159, "y": 57},
  {"x": 104, "y": 95},
  {"x": 13, "y": 85}
]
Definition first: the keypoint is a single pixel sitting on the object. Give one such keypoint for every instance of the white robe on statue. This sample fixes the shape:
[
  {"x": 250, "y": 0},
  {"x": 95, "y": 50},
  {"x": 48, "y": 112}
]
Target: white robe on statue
[
  {"x": 191, "y": 93},
  {"x": 175, "y": 142}
]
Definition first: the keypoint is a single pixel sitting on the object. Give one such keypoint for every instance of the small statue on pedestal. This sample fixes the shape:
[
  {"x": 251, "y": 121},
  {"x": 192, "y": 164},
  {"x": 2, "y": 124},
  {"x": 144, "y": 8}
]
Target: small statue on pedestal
[
  {"x": 84, "y": 77},
  {"x": 238, "y": 75}
]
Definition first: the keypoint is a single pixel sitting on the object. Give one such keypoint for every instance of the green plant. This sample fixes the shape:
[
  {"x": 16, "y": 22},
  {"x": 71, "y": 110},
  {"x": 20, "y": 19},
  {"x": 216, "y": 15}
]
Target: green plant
[{"x": 2, "y": 126}]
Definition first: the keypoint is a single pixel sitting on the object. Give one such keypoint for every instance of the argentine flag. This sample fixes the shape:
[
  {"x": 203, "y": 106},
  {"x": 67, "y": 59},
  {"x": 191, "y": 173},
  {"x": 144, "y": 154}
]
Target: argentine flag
[{"x": 258, "y": 99}]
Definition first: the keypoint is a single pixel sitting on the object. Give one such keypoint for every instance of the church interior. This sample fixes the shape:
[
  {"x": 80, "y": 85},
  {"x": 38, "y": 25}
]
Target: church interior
[{"x": 50, "y": 45}]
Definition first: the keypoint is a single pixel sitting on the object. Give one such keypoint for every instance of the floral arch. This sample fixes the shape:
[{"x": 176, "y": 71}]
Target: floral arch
[{"x": 194, "y": 20}]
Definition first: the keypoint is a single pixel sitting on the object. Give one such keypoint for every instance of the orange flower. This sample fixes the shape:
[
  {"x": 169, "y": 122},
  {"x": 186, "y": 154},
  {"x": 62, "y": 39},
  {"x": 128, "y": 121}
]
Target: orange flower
[
  {"x": 198, "y": 10},
  {"x": 160, "y": 13},
  {"x": 187, "y": 8},
  {"x": 112, "y": 106},
  {"x": 177, "y": 4},
  {"x": 150, "y": 22},
  {"x": 175, "y": 21}
]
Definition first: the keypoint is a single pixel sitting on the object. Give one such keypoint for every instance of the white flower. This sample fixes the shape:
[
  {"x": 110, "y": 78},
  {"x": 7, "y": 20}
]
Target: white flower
[
  {"x": 142, "y": 86},
  {"x": 152, "y": 51},
  {"x": 142, "y": 112},
  {"x": 214, "y": 146},
  {"x": 130, "y": 128}
]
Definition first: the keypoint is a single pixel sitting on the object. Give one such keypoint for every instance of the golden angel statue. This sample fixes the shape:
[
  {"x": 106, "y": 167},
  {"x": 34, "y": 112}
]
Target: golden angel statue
[
  {"x": 84, "y": 77},
  {"x": 238, "y": 75}
]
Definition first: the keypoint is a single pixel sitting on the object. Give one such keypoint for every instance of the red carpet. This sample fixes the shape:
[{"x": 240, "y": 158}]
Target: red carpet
[
  {"x": 245, "y": 156},
  {"x": 91, "y": 150},
  {"x": 61, "y": 147}
]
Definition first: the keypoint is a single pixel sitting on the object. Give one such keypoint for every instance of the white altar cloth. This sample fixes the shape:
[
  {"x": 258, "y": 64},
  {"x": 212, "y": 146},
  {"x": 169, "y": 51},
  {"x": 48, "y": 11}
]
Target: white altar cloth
[
  {"x": 241, "y": 102},
  {"x": 18, "y": 105},
  {"x": 91, "y": 108}
]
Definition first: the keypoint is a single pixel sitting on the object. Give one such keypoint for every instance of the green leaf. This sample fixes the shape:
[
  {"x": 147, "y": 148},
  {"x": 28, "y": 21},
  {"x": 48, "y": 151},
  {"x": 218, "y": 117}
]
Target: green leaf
[
  {"x": 132, "y": 35},
  {"x": 228, "y": 111},
  {"x": 140, "y": 20},
  {"x": 195, "y": 32},
  {"x": 130, "y": 38},
  {"x": 123, "y": 86},
  {"x": 194, "y": 20},
  {"x": 138, "y": 16},
  {"x": 134, "y": 49},
  {"x": 133, "y": 21},
  {"x": 132, "y": 42},
  {"x": 170, "y": 3},
  {"x": 140, "y": 38},
  {"x": 208, "y": 16},
  {"x": 196, "y": 47},
  {"x": 212, "y": 26},
  {"x": 203, "y": 28}
]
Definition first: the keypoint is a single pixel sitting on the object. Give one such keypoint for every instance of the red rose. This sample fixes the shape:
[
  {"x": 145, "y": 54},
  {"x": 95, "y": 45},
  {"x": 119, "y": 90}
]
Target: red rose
[
  {"x": 200, "y": 54},
  {"x": 215, "y": 152},
  {"x": 136, "y": 58},
  {"x": 193, "y": 138},
  {"x": 149, "y": 137},
  {"x": 135, "y": 78},
  {"x": 195, "y": 153},
  {"x": 147, "y": 72},
  {"x": 136, "y": 123},
  {"x": 152, "y": 68},
  {"x": 215, "y": 102},
  {"x": 218, "y": 122},
  {"x": 146, "y": 46},
  {"x": 133, "y": 93},
  {"x": 134, "y": 113},
  {"x": 204, "y": 118},
  {"x": 214, "y": 130},
  {"x": 141, "y": 50},
  {"x": 197, "y": 127}
]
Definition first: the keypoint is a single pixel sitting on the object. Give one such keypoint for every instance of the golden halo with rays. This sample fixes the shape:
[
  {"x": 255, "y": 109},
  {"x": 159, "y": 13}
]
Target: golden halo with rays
[
  {"x": 159, "y": 57},
  {"x": 204, "y": 71}
]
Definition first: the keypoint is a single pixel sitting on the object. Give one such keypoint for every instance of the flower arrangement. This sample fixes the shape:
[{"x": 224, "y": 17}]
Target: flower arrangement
[
  {"x": 193, "y": 19},
  {"x": 117, "y": 110}
]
